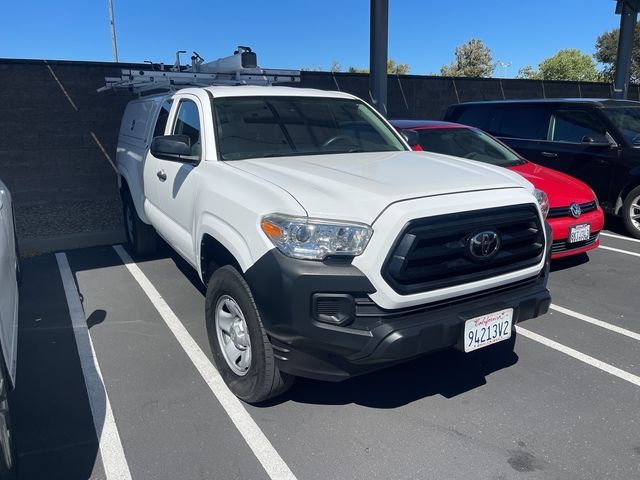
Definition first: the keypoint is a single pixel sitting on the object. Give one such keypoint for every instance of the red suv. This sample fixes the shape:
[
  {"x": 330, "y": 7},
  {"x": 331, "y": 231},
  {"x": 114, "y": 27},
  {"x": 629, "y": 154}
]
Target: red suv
[{"x": 574, "y": 214}]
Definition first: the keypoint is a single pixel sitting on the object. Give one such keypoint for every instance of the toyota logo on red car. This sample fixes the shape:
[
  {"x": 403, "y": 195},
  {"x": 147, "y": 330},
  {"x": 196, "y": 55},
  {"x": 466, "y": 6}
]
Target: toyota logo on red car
[{"x": 574, "y": 213}]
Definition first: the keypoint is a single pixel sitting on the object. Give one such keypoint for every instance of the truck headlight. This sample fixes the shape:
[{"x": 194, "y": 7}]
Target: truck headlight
[
  {"x": 543, "y": 201},
  {"x": 315, "y": 239}
]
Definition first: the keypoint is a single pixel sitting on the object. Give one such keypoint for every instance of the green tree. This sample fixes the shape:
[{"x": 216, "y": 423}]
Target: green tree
[
  {"x": 399, "y": 68},
  {"x": 607, "y": 51},
  {"x": 392, "y": 68},
  {"x": 530, "y": 73},
  {"x": 567, "y": 64},
  {"x": 473, "y": 59}
]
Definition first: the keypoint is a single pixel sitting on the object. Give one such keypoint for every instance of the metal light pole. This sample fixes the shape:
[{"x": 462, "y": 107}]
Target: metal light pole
[
  {"x": 504, "y": 65},
  {"x": 378, "y": 54},
  {"x": 628, "y": 10},
  {"x": 112, "y": 23}
]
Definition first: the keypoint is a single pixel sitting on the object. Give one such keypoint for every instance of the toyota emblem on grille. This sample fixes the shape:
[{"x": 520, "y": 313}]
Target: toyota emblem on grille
[
  {"x": 484, "y": 245},
  {"x": 575, "y": 210}
]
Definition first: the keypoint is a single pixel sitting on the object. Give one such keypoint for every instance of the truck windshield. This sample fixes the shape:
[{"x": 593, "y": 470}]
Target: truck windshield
[
  {"x": 627, "y": 121},
  {"x": 272, "y": 126},
  {"x": 467, "y": 143}
]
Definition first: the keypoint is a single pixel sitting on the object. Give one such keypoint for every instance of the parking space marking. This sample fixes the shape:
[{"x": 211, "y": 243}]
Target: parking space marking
[
  {"x": 594, "y": 362},
  {"x": 620, "y": 251},
  {"x": 621, "y": 237},
  {"x": 595, "y": 321},
  {"x": 113, "y": 458},
  {"x": 262, "y": 448}
]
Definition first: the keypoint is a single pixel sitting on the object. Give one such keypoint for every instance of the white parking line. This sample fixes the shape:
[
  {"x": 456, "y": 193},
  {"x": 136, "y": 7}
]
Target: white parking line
[
  {"x": 595, "y": 321},
  {"x": 621, "y": 237},
  {"x": 594, "y": 362},
  {"x": 271, "y": 461},
  {"x": 620, "y": 251},
  {"x": 113, "y": 458}
]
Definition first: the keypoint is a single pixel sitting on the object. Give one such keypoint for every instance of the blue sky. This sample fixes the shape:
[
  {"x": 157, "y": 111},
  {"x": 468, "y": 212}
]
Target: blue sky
[{"x": 302, "y": 33}]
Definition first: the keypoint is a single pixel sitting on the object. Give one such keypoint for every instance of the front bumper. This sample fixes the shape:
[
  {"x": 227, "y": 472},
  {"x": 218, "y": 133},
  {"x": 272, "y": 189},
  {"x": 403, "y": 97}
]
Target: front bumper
[
  {"x": 561, "y": 227},
  {"x": 284, "y": 288}
]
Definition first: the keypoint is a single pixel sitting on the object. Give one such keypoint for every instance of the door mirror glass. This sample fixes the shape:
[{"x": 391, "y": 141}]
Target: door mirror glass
[{"x": 172, "y": 147}]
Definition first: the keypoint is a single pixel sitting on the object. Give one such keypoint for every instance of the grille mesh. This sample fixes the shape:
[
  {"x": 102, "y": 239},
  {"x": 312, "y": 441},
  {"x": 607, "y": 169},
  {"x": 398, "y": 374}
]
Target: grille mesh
[{"x": 432, "y": 252}]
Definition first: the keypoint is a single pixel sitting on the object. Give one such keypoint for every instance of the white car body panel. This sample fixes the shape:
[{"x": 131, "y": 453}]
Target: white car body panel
[
  {"x": 8, "y": 283},
  {"x": 133, "y": 142},
  {"x": 358, "y": 186}
]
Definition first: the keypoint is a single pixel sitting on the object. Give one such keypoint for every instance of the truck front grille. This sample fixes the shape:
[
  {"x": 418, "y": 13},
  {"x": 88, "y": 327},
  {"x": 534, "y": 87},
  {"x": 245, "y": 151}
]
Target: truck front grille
[{"x": 434, "y": 252}]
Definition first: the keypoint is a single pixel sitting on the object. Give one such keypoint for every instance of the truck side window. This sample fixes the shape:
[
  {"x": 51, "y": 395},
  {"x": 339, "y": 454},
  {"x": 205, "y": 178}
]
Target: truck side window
[
  {"x": 163, "y": 116},
  {"x": 188, "y": 123},
  {"x": 574, "y": 125},
  {"x": 526, "y": 122}
]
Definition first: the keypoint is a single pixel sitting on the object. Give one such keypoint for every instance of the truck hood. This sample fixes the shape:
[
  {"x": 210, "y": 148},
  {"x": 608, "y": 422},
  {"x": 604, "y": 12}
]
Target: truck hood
[{"x": 359, "y": 186}]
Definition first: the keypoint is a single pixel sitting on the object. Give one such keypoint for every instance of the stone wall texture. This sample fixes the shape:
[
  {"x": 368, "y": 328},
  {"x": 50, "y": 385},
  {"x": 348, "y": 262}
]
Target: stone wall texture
[{"x": 58, "y": 136}]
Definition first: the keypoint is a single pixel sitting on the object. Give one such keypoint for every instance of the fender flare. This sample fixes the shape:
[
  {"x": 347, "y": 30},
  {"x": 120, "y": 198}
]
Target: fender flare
[{"x": 228, "y": 237}]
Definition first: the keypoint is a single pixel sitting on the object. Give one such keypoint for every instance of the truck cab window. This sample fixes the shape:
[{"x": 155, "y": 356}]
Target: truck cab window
[
  {"x": 163, "y": 116},
  {"x": 188, "y": 123}
]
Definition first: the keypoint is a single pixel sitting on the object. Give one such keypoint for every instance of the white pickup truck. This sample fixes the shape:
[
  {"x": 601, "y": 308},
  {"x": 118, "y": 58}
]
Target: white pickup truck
[{"x": 327, "y": 246}]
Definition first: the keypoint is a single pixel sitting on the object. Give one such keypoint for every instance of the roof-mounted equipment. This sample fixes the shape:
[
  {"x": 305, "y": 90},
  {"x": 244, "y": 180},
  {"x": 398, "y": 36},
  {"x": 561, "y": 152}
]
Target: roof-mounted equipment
[{"x": 241, "y": 68}]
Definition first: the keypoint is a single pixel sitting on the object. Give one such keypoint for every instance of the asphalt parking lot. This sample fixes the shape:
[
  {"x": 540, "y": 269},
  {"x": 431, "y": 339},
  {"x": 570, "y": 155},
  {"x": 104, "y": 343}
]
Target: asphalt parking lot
[{"x": 565, "y": 405}]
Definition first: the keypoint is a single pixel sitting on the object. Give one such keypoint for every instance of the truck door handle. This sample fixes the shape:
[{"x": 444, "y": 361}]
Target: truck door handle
[
  {"x": 161, "y": 175},
  {"x": 549, "y": 154}
]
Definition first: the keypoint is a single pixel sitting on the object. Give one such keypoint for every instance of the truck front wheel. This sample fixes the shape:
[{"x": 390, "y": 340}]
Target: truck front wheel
[
  {"x": 241, "y": 349},
  {"x": 142, "y": 238}
]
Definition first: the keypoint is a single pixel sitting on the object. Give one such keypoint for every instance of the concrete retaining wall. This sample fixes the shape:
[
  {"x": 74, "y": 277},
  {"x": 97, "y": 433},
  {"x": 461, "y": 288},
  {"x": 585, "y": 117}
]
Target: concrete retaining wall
[{"x": 58, "y": 137}]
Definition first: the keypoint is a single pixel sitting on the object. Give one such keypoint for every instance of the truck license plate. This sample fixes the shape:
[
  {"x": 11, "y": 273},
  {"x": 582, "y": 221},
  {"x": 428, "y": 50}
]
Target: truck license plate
[
  {"x": 579, "y": 233},
  {"x": 487, "y": 329}
]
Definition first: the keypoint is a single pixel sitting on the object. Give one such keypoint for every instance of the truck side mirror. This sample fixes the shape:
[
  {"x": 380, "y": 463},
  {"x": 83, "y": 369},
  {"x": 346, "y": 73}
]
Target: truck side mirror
[{"x": 172, "y": 147}]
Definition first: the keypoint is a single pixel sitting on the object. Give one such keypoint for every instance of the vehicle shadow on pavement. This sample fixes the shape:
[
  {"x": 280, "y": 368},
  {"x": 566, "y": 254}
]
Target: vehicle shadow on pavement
[
  {"x": 569, "y": 262},
  {"x": 614, "y": 224},
  {"x": 447, "y": 373},
  {"x": 54, "y": 425}
]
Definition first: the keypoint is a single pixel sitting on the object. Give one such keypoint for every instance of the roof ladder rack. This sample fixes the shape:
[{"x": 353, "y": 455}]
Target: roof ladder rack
[{"x": 241, "y": 68}]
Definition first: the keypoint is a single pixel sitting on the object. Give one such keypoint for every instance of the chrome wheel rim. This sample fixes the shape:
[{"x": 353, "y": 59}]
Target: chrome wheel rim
[
  {"x": 634, "y": 212},
  {"x": 129, "y": 220},
  {"x": 233, "y": 335}
]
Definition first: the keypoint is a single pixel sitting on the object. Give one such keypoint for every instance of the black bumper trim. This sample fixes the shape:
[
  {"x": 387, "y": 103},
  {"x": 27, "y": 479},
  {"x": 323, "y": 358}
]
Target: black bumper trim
[{"x": 283, "y": 289}]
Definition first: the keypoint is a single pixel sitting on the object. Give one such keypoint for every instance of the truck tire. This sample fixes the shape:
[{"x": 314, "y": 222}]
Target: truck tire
[
  {"x": 241, "y": 349},
  {"x": 8, "y": 454},
  {"x": 631, "y": 209},
  {"x": 141, "y": 237}
]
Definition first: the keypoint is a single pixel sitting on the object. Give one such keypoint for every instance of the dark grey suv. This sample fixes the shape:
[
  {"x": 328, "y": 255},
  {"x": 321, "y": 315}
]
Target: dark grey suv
[{"x": 595, "y": 140}]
